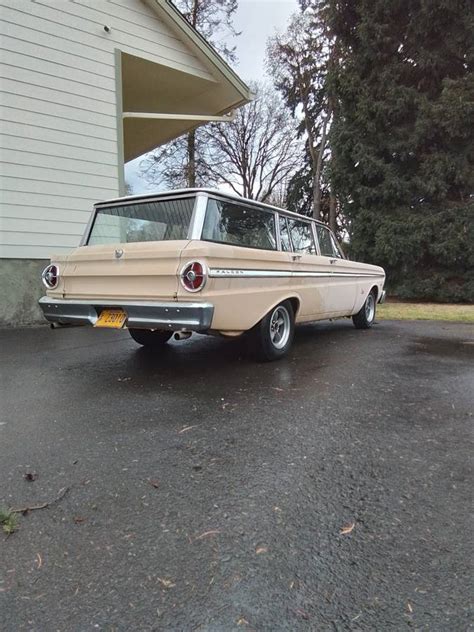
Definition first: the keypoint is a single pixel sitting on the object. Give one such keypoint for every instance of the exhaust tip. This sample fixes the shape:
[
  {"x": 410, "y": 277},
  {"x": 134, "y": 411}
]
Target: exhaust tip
[{"x": 182, "y": 335}]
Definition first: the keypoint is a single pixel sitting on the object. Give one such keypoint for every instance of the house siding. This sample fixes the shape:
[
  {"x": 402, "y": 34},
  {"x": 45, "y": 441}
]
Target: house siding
[{"x": 59, "y": 142}]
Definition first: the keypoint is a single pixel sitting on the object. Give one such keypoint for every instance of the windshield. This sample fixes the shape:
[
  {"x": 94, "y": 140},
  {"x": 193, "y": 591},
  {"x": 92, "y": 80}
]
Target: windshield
[{"x": 161, "y": 220}]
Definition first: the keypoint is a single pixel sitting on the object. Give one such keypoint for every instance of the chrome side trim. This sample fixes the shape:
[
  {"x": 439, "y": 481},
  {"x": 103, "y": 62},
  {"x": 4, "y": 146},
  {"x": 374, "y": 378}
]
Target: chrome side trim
[
  {"x": 244, "y": 273},
  {"x": 140, "y": 314}
]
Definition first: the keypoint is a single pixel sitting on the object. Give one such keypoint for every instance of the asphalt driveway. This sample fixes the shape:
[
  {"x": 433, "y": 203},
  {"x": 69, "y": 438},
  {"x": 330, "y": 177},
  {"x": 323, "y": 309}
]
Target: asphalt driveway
[{"x": 197, "y": 490}]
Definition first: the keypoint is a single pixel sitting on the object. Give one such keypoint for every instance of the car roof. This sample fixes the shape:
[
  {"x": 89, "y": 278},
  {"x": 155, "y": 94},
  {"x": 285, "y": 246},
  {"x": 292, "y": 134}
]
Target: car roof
[{"x": 203, "y": 190}]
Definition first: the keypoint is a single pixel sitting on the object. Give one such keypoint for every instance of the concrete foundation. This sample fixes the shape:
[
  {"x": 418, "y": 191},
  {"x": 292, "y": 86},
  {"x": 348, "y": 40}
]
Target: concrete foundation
[{"x": 20, "y": 289}]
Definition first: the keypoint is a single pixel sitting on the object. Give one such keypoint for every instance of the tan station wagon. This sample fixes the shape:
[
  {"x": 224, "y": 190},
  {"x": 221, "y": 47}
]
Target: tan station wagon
[{"x": 199, "y": 260}]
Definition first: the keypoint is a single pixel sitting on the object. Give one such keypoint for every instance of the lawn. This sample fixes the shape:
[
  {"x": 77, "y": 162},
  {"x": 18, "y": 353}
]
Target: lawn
[{"x": 426, "y": 311}]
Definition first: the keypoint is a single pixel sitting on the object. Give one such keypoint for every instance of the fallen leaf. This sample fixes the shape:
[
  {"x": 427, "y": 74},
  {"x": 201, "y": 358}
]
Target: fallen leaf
[
  {"x": 242, "y": 621},
  {"x": 166, "y": 583},
  {"x": 39, "y": 561},
  {"x": 78, "y": 519},
  {"x": 30, "y": 476},
  {"x": 154, "y": 482},
  {"x": 410, "y": 608},
  {"x": 207, "y": 534},
  {"x": 276, "y": 388},
  {"x": 347, "y": 529},
  {"x": 261, "y": 549},
  {"x": 124, "y": 379}
]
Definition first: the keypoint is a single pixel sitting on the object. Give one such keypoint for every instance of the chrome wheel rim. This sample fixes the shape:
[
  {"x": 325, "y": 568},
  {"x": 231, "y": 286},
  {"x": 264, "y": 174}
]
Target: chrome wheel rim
[
  {"x": 370, "y": 308},
  {"x": 280, "y": 326}
]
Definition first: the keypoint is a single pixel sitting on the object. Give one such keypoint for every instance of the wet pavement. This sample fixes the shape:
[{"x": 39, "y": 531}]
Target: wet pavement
[{"x": 198, "y": 490}]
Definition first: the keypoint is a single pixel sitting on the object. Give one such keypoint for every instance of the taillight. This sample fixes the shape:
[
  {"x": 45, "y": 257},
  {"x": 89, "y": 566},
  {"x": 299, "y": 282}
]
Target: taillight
[
  {"x": 50, "y": 276},
  {"x": 193, "y": 276}
]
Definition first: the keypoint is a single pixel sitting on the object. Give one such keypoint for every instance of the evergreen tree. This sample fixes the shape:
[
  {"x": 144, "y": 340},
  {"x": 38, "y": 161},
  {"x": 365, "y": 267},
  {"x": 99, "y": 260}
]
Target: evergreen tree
[{"x": 402, "y": 140}]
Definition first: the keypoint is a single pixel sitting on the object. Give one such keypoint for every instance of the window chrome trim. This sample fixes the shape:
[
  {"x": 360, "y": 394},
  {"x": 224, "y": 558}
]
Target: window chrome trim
[
  {"x": 316, "y": 238},
  {"x": 276, "y": 217},
  {"x": 198, "y": 216}
]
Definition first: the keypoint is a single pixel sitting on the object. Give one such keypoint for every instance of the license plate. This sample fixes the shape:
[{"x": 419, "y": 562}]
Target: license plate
[{"x": 113, "y": 318}]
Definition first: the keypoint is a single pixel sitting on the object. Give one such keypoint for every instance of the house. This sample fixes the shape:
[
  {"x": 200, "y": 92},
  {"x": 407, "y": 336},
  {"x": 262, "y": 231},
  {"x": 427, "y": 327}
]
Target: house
[{"x": 87, "y": 85}]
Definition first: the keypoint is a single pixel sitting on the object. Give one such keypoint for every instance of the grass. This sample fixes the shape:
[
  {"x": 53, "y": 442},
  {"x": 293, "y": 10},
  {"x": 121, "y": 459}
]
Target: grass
[
  {"x": 8, "y": 521},
  {"x": 426, "y": 311}
]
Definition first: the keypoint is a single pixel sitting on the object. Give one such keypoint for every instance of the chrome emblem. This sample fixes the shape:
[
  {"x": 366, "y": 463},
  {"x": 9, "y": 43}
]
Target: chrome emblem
[{"x": 118, "y": 253}]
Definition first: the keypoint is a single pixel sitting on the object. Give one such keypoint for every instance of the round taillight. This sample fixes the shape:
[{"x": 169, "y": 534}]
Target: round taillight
[
  {"x": 50, "y": 276},
  {"x": 193, "y": 276}
]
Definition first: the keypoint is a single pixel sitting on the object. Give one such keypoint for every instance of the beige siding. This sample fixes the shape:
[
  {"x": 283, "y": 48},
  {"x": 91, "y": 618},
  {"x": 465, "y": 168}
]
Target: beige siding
[{"x": 58, "y": 117}]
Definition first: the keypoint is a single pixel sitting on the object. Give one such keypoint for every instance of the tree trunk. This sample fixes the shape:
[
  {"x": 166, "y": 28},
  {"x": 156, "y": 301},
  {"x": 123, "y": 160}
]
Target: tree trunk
[
  {"x": 332, "y": 211},
  {"x": 317, "y": 173},
  {"x": 191, "y": 166}
]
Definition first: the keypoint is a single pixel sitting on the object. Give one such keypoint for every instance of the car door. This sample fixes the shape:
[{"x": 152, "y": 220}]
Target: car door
[
  {"x": 297, "y": 237},
  {"x": 342, "y": 275}
]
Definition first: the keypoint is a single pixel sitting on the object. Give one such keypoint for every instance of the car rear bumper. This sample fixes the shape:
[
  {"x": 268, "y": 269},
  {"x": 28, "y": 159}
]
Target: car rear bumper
[{"x": 140, "y": 314}]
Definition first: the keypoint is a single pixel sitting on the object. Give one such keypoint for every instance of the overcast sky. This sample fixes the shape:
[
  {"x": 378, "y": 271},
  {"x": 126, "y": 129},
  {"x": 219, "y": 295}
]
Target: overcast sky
[{"x": 257, "y": 20}]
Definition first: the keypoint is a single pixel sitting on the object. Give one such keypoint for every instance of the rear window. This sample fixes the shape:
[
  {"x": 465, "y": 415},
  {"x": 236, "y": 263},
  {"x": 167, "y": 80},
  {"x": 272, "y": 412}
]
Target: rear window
[
  {"x": 230, "y": 223},
  {"x": 161, "y": 220}
]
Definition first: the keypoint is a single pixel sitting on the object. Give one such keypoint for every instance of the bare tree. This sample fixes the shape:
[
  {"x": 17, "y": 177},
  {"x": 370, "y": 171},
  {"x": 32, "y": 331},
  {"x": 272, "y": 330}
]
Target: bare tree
[
  {"x": 257, "y": 153},
  {"x": 298, "y": 61}
]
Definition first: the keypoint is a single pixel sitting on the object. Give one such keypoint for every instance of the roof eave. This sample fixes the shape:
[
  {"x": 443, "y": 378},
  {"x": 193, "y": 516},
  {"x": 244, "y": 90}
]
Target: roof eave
[{"x": 167, "y": 11}]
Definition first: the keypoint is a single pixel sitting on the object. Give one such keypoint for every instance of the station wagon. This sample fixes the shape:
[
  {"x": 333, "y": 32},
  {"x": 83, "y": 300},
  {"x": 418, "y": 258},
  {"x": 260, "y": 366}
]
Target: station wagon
[{"x": 198, "y": 260}]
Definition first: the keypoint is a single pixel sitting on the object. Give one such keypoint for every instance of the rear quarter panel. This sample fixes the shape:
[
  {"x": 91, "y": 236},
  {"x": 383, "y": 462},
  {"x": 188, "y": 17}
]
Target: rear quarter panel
[{"x": 239, "y": 302}]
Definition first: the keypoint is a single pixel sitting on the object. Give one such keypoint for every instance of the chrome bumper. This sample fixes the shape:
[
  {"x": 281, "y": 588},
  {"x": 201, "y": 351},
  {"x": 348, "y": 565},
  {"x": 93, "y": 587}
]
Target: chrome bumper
[
  {"x": 382, "y": 297},
  {"x": 140, "y": 314}
]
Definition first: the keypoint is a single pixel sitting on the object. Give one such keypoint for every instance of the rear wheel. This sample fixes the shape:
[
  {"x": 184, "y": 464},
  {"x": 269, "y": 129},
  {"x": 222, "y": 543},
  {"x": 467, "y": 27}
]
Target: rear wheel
[
  {"x": 150, "y": 339},
  {"x": 271, "y": 338},
  {"x": 366, "y": 315}
]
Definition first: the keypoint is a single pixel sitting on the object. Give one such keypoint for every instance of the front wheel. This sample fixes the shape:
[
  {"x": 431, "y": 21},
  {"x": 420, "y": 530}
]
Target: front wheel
[
  {"x": 150, "y": 339},
  {"x": 366, "y": 315},
  {"x": 273, "y": 335}
]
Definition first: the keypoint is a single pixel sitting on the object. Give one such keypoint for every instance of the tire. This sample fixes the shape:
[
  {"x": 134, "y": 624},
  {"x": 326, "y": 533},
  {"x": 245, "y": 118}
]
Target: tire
[
  {"x": 271, "y": 338},
  {"x": 150, "y": 339},
  {"x": 364, "y": 319}
]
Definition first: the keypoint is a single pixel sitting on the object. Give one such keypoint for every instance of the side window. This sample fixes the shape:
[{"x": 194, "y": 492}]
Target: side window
[
  {"x": 284, "y": 235},
  {"x": 336, "y": 248},
  {"x": 326, "y": 242},
  {"x": 230, "y": 223},
  {"x": 301, "y": 236}
]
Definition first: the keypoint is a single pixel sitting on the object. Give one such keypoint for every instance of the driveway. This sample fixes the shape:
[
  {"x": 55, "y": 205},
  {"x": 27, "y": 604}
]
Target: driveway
[{"x": 197, "y": 490}]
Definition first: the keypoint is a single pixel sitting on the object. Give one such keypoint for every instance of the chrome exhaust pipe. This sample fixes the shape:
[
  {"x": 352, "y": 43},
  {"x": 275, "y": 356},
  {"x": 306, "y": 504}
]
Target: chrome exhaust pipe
[{"x": 182, "y": 335}]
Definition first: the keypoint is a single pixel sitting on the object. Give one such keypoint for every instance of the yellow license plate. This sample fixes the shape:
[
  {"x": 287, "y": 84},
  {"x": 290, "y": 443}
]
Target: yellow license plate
[{"x": 113, "y": 318}]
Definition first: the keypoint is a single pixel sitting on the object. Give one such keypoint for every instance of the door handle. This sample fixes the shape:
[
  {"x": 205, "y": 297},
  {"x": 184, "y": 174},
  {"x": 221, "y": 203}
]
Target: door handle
[
  {"x": 296, "y": 257},
  {"x": 332, "y": 260}
]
